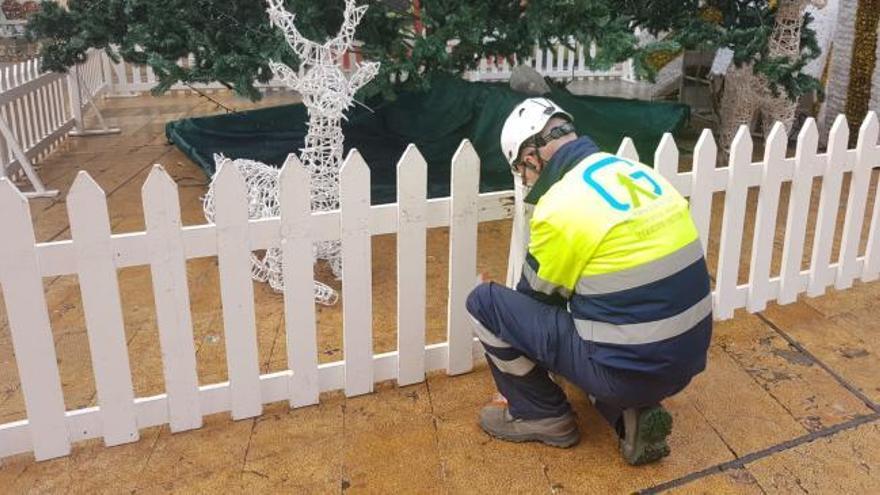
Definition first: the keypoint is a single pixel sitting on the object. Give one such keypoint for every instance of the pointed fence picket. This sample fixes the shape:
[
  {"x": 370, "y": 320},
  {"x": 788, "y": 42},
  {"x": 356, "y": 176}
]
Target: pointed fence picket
[
  {"x": 90, "y": 230},
  {"x": 701, "y": 184},
  {"x": 237, "y": 293},
  {"x": 666, "y": 161},
  {"x": 829, "y": 202},
  {"x": 171, "y": 293},
  {"x": 866, "y": 151},
  {"x": 732, "y": 224},
  {"x": 412, "y": 185},
  {"x": 94, "y": 254},
  {"x": 462, "y": 254},
  {"x": 32, "y": 341},
  {"x": 357, "y": 285},
  {"x": 805, "y": 164},
  {"x": 628, "y": 150},
  {"x": 765, "y": 219},
  {"x": 299, "y": 305}
]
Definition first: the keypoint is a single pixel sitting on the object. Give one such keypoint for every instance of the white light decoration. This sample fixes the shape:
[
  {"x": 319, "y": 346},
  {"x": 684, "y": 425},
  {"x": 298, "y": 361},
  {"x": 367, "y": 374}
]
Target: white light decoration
[
  {"x": 746, "y": 92},
  {"x": 327, "y": 91},
  {"x": 261, "y": 182}
]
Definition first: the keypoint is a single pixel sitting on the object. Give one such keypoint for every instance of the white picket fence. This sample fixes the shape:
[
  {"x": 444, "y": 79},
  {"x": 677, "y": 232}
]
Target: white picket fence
[
  {"x": 37, "y": 110},
  {"x": 557, "y": 63},
  {"x": 705, "y": 179},
  {"x": 94, "y": 255}
]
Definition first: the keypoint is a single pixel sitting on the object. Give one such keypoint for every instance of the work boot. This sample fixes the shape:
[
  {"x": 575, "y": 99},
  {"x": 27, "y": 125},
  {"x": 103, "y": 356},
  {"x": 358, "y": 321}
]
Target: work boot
[
  {"x": 644, "y": 435},
  {"x": 560, "y": 432}
]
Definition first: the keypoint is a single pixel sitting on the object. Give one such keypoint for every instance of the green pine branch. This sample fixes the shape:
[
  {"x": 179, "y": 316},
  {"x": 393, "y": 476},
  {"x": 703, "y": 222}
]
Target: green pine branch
[{"x": 232, "y": 41}]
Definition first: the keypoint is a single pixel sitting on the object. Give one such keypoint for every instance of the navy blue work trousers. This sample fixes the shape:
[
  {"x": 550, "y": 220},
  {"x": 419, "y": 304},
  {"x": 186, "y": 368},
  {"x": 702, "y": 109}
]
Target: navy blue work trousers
[{"x": 525, "y": 339}]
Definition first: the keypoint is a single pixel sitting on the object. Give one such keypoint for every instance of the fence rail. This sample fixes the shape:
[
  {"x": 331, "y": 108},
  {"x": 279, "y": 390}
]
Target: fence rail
[{"x": 94, "y": 255}]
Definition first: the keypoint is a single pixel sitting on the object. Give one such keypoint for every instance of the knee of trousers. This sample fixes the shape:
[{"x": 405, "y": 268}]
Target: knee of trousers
[{"x": 479, "y": 301}]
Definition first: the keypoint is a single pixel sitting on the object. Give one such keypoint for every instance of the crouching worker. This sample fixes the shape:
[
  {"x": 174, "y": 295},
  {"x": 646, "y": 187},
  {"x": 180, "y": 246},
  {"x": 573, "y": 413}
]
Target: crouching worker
[{"x": 614, "y": 294}]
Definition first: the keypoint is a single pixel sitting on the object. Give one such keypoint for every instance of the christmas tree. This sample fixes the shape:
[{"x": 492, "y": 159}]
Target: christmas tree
[{"x": 232, "y": 40}]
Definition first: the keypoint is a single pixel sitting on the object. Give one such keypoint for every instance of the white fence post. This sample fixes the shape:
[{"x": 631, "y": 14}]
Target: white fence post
[
  {"x": 23, "y": 76},
  {"x": 106, "y": 72},
  {"x": 171, "y": 294},
  {"x": 29, "y": 326},
  {"x": 357, "y": 268},
  {"x": 299, "y": 296},
  {"x": 765, "y": 219},
  {"x": 666, "y": 161},
  {"x": 703, "y": 171},
  {"x": 821, "y": 275},
  {"x": 412, "y": 185},
  {"x": 465, "y": 183},
  {"x": 628, "y": 150},
  {"x": 847, "y": 268},
  {"x": 75, "y": 100},
  {"x": 798, "y": 208},
  {"x": 732, "y": 224},
  {"x": 96, "y": 270},
  {"x": 94, "y": 86},
  {"x": 871, "y": 271},
  {"x": 519, "y": 235},
  {"x": 237, "y": 292}
]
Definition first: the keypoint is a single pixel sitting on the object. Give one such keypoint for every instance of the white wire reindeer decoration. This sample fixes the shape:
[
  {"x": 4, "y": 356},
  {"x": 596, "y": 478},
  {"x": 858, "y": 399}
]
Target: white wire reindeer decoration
[
  {"x": 327, "y": 92},
  {"x": 747, "y": 92},
  {"x": 261, "y": 182}
]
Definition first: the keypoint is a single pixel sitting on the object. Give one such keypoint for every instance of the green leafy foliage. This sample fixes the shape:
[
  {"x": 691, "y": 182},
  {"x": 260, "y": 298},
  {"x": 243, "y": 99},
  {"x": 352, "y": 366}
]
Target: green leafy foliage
[
  {"x": 745, "y": 27},
  {"x": 231, "y": 40}
]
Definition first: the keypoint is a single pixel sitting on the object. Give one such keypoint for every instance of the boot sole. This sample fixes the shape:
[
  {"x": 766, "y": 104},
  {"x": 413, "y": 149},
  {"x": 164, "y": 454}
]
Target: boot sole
[
  {"x": 654, "y": 426},
  {"x": 562, "y": 442}
]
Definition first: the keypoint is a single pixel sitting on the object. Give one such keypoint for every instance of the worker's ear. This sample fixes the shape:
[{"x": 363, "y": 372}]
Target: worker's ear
[{"x": 537, "y": 162}]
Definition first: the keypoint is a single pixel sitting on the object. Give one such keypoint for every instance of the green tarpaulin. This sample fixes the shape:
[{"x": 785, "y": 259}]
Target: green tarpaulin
[{"x": 435, "y": 121}]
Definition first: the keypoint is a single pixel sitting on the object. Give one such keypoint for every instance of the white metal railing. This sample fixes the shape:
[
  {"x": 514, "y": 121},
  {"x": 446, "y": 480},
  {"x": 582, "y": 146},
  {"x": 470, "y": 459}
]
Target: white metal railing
[{"x": 94, "y": 254}]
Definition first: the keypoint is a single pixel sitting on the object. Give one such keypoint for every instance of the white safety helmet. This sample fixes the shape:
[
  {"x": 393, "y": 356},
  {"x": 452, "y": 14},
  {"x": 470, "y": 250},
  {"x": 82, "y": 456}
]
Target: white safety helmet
[{"x": 526, "y": 120}]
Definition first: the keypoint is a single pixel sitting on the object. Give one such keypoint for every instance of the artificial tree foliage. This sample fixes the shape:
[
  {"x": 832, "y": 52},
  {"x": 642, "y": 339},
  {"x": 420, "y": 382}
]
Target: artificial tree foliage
[{"x": 232, "y": 41}]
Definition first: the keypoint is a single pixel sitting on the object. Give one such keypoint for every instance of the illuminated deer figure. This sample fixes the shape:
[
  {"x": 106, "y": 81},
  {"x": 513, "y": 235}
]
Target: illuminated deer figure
[
  {"x": 746, "y": 92},
  {"x": 327, "y": 91}
]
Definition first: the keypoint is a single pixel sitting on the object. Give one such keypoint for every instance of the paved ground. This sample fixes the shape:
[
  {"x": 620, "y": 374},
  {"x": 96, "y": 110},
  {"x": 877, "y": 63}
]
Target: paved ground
[{"x": 789, "y": 403}]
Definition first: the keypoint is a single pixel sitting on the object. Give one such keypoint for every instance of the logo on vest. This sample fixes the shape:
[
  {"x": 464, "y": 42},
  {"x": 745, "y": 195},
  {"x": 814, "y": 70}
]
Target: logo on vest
[{"x": 631, "y": 187}]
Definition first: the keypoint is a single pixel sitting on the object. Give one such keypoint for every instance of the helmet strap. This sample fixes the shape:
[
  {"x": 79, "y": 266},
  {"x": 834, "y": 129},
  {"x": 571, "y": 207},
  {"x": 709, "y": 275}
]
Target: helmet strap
[
  {"x": 538, "y": 141},
  {"x": 557, "y": 132}
]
